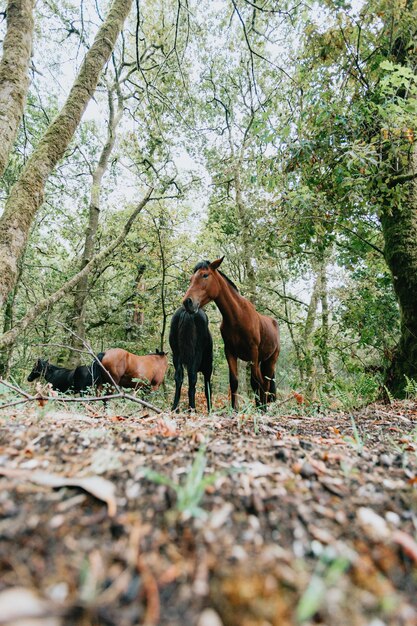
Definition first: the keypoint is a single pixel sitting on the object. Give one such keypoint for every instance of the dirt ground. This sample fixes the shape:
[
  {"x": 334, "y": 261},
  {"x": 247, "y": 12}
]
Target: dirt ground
[{"x": 295, "y": 517}]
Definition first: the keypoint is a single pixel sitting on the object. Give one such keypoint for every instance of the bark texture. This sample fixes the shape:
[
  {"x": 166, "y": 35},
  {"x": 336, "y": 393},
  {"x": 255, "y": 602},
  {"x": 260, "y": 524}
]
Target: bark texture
[
  {"x": 399, "y": 227},
  {"x": 14, "y": 66},
  {"x": 27, "y": 194},
  {"x": 308, "y": 359},
  {"x": 9, "y": 338}
]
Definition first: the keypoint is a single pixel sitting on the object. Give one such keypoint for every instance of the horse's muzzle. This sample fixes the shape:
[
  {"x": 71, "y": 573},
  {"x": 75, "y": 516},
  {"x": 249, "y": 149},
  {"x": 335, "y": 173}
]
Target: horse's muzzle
[{"x": 189, "y": 305}]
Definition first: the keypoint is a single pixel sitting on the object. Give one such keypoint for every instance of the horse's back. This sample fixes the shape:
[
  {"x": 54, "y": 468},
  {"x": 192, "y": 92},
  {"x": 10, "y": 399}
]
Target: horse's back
[
  {"x": 61, "y": 378},
  {"x": 124, "y": 366}
]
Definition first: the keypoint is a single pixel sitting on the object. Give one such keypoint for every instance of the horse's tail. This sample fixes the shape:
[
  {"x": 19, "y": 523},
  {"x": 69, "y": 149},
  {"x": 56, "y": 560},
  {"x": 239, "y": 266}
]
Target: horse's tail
[
  {"x": 187, "y": 338},
  {"x": 97, "y": 372}
]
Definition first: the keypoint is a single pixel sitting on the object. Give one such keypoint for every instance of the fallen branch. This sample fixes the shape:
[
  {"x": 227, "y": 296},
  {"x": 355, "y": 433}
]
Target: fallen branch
[{"x": 41, "y": 397}]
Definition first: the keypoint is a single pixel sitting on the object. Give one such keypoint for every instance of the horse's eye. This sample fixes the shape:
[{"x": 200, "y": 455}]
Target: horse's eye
[{"x": 205, "y": 275}]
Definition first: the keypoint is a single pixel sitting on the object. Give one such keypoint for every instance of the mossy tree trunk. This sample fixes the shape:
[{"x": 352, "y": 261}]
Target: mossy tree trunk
[
  {"x": 399, "y": 227},
  {"x": 27, "y": 194},
  {"x": 14, "y": 66},
  {"x": 77, "y": 315}
]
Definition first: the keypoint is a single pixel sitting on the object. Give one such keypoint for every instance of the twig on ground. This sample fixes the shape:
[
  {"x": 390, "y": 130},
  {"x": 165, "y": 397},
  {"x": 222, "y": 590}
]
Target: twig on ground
[
  {"x": 17, "y": 389},
  {"x": 37, "y": 397}
]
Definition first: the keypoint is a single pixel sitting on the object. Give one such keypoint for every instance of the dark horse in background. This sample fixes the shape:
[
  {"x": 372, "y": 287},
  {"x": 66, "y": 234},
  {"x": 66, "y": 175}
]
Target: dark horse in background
[
  {"x": 192, "y": 346},
  {"x": 247, "y": 334},
  {"x": 63, "y": 379}
]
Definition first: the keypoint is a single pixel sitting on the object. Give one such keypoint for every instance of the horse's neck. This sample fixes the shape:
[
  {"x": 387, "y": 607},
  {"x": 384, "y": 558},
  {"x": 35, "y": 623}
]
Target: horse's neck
[{"x": 229, "y": 303}]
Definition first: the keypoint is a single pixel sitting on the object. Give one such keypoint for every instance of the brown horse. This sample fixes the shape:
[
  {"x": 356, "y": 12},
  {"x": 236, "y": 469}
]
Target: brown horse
[
  {"x": 123, "y": 366},
  {"x": 247, "y": 334}
]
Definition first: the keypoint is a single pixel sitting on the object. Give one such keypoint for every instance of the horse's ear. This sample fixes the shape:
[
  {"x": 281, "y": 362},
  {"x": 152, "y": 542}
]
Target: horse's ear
[{"x": 215, "y": 264}]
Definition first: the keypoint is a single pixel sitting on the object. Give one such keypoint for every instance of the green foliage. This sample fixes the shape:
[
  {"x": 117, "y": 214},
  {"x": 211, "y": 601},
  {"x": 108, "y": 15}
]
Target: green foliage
[
  {"x": 191, "y": 490},
  {"x": 328, "y": 571},
  {"x": 411, "y": 388}
]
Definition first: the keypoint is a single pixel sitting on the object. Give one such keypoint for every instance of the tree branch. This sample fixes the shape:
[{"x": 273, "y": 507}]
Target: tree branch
[{"x": 9, "y": 338}]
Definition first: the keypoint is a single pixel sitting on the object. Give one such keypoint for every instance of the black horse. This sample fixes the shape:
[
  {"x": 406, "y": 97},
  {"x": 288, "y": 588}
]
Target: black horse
[
  {"x": 192, "y": 345},
  {"x": 63, "y": 379}
]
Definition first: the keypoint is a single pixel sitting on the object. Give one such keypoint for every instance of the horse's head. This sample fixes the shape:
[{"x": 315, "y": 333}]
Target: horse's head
[
  {"x": 38, "y": 370},
  {"x": 204, "y": 286}
]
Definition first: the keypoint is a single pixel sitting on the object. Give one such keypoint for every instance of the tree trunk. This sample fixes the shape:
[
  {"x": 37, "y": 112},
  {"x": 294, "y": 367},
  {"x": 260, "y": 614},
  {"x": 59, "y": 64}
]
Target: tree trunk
[
  {"x": 309, "y": 328},
  {"x": 27, "y": 194},
  {"x": 9, "y": 338},
  {"x": 137, "y": 317},
  {"x": 399, "y": 227},
  {"x": 78, "y": 313},
  {"x": 6, "y": 355},
  {"x": 246, "y": 235},
  {"x": 14, "y": 79},
  {"x": 324, "y": 339}
]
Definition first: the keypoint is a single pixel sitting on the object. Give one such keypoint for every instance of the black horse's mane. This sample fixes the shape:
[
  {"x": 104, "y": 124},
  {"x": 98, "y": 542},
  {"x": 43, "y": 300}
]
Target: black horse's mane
[{"x": 204, "y": 265}]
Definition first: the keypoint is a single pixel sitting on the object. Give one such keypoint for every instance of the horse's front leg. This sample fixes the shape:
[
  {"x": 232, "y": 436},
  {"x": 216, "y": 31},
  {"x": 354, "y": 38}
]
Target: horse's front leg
[{"x": 233, "y": 379}]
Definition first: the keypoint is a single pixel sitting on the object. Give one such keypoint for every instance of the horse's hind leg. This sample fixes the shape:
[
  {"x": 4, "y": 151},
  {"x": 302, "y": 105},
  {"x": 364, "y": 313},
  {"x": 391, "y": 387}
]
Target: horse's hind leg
[
  {"x": 256, "y": 389},
  {"x": 259, "y": 385},
  {"x": 233, "y": 379},
  {"x": 207, "y": 390},
  {"x": 192, "y": 381},
  {"x": 179, "y": 377},
  {"x": 268, "y": 372}
]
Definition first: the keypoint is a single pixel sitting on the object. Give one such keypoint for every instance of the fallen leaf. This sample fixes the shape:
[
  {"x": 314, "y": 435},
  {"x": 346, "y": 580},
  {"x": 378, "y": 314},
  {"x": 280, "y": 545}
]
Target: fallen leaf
[
  {"x": 165, "y": 427},
  {"x": 99, "y": 487}
]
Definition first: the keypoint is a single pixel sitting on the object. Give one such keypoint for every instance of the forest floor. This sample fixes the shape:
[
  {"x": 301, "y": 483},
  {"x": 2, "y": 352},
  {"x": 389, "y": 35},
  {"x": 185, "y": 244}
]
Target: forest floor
[{"x": 300, "y": 517}]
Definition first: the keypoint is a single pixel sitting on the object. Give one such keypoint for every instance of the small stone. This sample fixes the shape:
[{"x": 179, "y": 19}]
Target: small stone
[
  {"x": 209, "y": 617},
  {"x": 282, "y": 454},
  {"x": 307, "y": 470},
  {"x": 393, "y": 518},
  {"x": 374, "y": 526},
  {"x": 386, "y": 460}
]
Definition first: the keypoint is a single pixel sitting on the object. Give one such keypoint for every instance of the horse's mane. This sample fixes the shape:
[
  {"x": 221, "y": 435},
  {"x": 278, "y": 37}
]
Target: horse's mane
[{"x": 204, "y": 265}]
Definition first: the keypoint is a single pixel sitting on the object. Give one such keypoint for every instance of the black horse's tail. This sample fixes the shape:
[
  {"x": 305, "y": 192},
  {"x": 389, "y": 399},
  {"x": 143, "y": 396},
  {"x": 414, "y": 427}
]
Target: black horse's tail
[
  {"x": 97, "y": 371},
  {"x": 187, "y": 338}
]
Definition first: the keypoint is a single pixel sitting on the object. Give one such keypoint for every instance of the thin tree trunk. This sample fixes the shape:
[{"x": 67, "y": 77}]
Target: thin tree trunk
[
  {"x": 246, "y": 235},
  {"x": 309, "y": 329},
  {"x": 137, "y": 316},
  {"x": 14, "y": 66},
  {"x": 78, "y": 313},
  {"x": 298, "y": 352},
  {"x": 9, "y": 338},
  {"x": 163, "y": 282},
  {"x": 27, "y": 193},
  {"x": 324, "y": 348}
]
